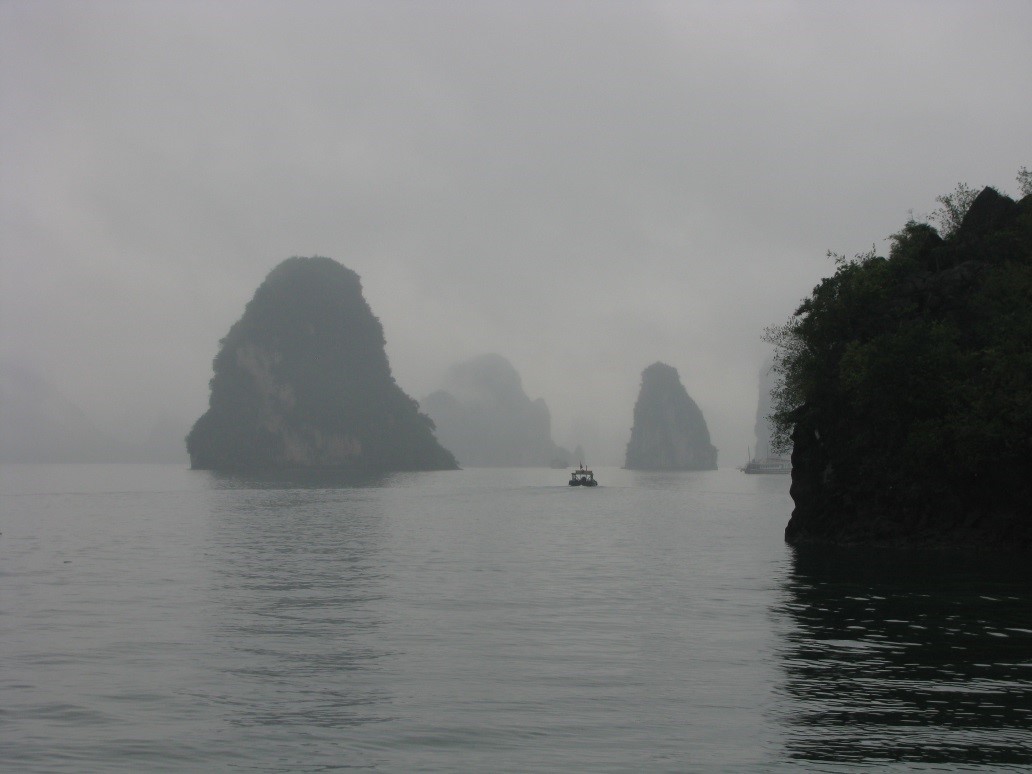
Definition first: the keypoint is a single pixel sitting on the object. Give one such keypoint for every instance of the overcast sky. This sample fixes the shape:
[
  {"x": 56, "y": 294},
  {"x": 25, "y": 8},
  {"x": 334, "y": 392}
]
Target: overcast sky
[{"x": 582, "y": 187}]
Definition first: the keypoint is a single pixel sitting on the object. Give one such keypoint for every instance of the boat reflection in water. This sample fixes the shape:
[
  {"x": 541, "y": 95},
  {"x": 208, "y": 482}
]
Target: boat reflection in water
[{"x": 895, "y": 658}]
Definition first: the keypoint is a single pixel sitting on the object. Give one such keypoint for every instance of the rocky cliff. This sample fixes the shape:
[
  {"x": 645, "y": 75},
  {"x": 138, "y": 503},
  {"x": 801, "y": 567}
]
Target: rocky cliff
[
  {"x": 669, "y": 430},
  {"x": 302, "y": 381},
  {"x": 486, "y": 419},
  {"x": 909, "y": 389}
]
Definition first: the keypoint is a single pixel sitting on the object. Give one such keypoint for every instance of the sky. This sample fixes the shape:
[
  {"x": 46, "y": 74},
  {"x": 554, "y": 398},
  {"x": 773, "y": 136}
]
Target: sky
[{"x": 582, "y": 187}]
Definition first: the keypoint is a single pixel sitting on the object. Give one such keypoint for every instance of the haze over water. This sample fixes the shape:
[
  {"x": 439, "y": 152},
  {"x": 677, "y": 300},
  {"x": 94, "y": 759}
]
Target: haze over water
[
  {"x": 155, "y": 618},
  {"x": 582, "y": 187}
]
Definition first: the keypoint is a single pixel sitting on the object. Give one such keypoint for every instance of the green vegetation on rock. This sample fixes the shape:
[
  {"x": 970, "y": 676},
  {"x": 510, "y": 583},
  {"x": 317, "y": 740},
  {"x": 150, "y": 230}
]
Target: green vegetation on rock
[
  {"x": 907, "y": 386},
  {"x": 302, "y": 381}
]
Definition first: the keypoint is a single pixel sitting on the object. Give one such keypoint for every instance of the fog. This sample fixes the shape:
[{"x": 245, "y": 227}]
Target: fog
[{"x": 582, "y": 187}]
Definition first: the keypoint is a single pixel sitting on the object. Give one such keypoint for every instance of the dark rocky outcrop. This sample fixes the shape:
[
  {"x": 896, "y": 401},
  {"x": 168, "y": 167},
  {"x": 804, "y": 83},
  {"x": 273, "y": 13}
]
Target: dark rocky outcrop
[
  {"x": 912, "y": 412},
  {"x": 669, "y": 430},
  {"x": 486, "y": 419},
  {"x": 302, "y": 382}
]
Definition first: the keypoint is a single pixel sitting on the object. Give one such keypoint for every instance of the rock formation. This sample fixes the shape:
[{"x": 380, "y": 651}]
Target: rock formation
[
  {"x": 911, "y": 399},
  {"x": 483, "y": 415},
  {"x": 763, "y": 429},
  {"x": 669, "y": 430},
  {"x": 302, "y": 382}
]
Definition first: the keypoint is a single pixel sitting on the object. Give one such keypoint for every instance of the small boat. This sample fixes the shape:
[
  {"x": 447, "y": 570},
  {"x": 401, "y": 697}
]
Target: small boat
[{"x": 583, "y": 477}]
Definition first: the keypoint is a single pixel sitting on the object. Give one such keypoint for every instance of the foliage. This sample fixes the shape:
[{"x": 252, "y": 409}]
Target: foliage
[
  {"x": 912, "y": 374},
  {"x": 1025, "y": 181},
  {"x": 952, "y": 208}
]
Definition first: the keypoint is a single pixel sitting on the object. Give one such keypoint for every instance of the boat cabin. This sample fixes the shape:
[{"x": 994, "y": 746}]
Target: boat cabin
[{"x": 583, "y": 477}]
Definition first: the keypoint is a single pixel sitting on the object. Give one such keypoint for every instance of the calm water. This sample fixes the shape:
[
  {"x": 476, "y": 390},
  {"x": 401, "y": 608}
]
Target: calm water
[{"x": 154, "y": 618}]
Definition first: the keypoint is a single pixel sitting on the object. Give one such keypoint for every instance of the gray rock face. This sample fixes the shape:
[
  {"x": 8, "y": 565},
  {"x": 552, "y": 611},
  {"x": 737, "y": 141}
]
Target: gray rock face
[
  {"x": 669, "y": 430},
  {"x": 302, "y": 382},
  {"x": 486, "y": 419}
]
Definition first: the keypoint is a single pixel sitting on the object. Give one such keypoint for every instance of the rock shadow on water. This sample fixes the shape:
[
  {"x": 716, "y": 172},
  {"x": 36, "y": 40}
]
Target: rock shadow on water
[
  {"x": 301, "y": 478},
  {"x": 906, "y": 657},
  {"x": 296, "y": 597}
]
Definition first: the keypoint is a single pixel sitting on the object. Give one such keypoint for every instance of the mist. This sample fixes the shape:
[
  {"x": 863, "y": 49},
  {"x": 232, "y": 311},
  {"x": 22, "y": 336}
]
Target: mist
[{"x": 584, "y": 188}]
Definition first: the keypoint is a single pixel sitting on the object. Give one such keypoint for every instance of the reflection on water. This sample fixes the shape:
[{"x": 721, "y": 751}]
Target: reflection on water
[
  {"x": 296, "y": 592},
  {"x": 297, "y": 479},
  {"x": 155, "y": 618},
  {"x": 892, "y": 657}
]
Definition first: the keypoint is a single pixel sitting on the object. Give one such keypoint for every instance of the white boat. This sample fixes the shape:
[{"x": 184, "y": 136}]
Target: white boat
[{"x": 768, "y": 465}]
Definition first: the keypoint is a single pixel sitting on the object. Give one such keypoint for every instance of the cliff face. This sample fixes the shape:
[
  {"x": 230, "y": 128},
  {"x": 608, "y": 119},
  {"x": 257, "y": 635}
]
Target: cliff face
[
  {"x": 302, "y": 381},
  {"x": 485, "y": 418},
  {"x": 669, "y": 430},
  {"x": 913, "y": 424}
]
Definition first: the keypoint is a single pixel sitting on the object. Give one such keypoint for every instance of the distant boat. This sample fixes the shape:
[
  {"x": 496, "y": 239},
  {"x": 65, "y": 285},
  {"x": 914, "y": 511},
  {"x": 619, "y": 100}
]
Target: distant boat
[
  {"x": 768, "y": 465},
  {"x": 583, "y": 477}
]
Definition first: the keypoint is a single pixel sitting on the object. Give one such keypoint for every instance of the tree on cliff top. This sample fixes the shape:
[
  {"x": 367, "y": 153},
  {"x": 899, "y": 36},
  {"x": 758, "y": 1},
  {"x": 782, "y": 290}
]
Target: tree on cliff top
[
  {"x": 302, "y": 381},
  {"x": 907, "y": 380}
]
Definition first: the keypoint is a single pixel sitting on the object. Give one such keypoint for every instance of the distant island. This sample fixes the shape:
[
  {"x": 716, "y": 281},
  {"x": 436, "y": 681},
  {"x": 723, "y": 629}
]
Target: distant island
[
  {"x": 669, "y": 430},
  {"x": 907, "y": 393},
  {"x": 764, "y": 428},
  {"x": 486, "y": 419},
  {"x": 301, "y": 381},
  {"x": 41, "y": 424},
  {"x": 762, "y": 458}
]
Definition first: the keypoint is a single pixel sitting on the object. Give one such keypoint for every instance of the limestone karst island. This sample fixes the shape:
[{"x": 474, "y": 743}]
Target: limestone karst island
[
  {"x": 302, "y": 381},
  {"x": 485, "y": 418},
  {"x": 907, "y": 387},
  {"x": 669, "y": 431}
]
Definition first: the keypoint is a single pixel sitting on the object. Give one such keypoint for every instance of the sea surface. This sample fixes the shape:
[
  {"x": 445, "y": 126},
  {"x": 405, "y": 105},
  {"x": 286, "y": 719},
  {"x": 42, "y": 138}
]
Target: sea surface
[{"x": 154, "y": 618}]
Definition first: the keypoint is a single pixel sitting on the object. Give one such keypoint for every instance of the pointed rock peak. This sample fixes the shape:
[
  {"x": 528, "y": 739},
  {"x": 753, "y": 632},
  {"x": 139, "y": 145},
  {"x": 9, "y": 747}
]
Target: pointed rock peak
[
  {"x": 661, "y": 373},
  {"x": 990, "y": 211},
  {"x": 669, "y": 430},
  {"x": 302, "y": 381}
]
